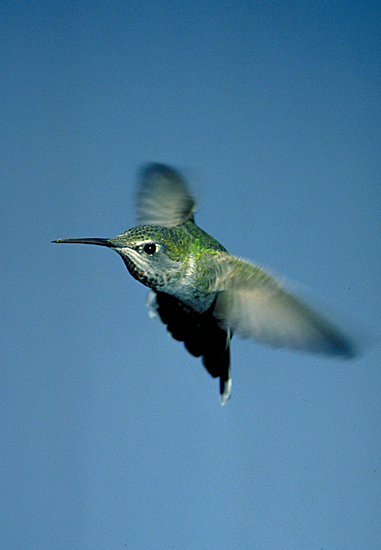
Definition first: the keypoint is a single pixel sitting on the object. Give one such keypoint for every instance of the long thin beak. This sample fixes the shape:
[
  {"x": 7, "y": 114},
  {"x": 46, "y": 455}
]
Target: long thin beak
[{"x": 101, "y": 242}]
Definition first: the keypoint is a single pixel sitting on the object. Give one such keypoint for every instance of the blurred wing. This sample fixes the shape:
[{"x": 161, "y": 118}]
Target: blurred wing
[
  {"x": 255, "y": 305},
  {"x": 162, "y": 197}
]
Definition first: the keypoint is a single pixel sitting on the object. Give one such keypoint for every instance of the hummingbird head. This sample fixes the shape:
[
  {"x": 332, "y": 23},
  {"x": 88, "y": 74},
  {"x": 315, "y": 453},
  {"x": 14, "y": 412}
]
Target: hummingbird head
[{"x": 154, "y": 255}]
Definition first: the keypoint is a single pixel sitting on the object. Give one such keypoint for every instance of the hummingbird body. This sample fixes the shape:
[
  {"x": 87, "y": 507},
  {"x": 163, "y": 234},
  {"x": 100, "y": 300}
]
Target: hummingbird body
[{"x": 204, "y": 294}]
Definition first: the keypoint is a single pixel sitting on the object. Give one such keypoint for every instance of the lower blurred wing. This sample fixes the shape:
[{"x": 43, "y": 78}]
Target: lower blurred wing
[{"x": 255, "y": 305}]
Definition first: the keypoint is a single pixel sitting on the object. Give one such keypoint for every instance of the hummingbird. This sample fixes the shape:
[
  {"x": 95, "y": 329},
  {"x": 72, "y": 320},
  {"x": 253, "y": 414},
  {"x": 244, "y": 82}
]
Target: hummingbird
[{"x": 202, "y": 293}]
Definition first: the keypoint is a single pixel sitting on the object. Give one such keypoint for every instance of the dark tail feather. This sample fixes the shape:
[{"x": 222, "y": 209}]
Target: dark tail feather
[{"x": 202, "y": 337}]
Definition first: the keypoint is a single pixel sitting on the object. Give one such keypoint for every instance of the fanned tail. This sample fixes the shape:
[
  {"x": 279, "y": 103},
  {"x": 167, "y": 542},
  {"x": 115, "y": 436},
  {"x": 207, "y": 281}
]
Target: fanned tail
[{"x": 201, "y": 334}]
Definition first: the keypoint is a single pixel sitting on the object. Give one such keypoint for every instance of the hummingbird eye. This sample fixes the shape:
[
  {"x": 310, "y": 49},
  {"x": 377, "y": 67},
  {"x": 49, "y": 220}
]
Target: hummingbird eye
[{"x": 149, "y": 248}]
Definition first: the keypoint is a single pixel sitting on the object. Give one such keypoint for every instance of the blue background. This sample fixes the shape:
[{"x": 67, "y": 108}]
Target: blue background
[{"x": 112, "y": 436}]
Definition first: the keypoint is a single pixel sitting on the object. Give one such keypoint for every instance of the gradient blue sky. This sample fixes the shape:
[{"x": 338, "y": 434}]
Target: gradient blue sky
[{"x": 112, "y": 436}]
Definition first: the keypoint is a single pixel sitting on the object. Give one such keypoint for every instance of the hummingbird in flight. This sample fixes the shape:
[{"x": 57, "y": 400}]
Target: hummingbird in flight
[{"x": 204, "y": 294}]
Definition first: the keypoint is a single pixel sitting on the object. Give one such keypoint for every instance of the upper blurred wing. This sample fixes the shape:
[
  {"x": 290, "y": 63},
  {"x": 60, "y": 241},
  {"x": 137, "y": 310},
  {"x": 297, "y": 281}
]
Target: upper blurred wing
[
  {"x": 162, "y": 197},
  {"x": 255, "y": 305}
]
